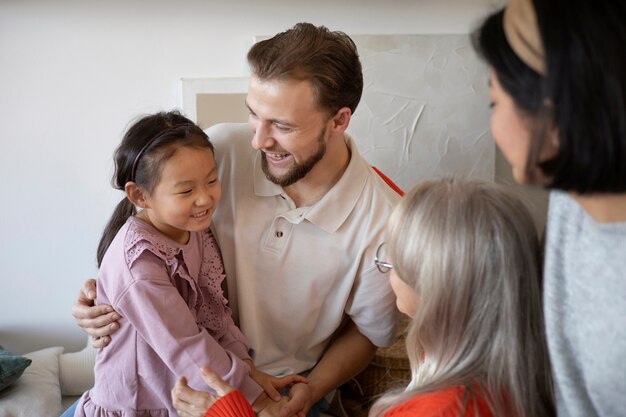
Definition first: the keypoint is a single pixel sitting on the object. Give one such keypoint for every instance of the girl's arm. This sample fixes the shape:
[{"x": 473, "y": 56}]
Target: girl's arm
[
  {"x": 162, "y": 318},
  {"x": 234, "y": 340}
]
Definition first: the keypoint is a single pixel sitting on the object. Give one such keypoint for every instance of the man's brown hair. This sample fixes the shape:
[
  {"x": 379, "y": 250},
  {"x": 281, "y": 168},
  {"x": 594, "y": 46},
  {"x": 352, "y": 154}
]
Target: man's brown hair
[{"x": 328, "y": 60}]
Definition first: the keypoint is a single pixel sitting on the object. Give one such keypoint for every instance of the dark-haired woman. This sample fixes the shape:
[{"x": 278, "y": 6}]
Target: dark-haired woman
[{"x": 558, "y": 90}]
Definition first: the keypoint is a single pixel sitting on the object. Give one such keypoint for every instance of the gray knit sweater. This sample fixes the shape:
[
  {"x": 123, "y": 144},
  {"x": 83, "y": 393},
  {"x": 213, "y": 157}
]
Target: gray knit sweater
[{"x": 585, "y": 308}]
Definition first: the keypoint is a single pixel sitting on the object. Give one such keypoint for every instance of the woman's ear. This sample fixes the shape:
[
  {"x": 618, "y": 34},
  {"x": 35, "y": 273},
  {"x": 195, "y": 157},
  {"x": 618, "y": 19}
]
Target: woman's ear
[
  {"x": 551, "y": 144},
  {"x": 552, "y": 141},
  {"x": 135, "y": 195}
]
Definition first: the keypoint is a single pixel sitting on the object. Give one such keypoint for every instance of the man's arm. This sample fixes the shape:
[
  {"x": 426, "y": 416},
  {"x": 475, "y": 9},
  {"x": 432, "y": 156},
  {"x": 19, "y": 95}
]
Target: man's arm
[
  {"x": 99, "y": 321},
  {"x": 348, "y": 354}
]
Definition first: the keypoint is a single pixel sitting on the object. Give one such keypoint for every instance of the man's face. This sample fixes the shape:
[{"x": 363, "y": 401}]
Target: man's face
[{"x": 289, "y": 128}]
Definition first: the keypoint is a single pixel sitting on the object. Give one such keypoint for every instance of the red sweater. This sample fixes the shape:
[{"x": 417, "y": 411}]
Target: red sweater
[
  {"x": 443, "y": 403},
  {"x": 233, "y": 404}
]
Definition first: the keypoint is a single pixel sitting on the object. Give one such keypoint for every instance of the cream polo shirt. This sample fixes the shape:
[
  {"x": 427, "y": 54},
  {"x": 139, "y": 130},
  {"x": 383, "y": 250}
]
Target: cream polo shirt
[{"x": 292, "y": 273}]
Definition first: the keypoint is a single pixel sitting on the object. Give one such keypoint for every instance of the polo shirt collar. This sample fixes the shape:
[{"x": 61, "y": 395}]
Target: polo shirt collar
[{"x": 330, "y": 212}]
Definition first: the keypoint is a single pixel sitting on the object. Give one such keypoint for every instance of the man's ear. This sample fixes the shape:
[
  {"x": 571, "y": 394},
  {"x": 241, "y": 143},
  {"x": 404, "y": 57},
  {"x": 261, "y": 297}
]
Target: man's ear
[
  {"x": 341, "y": 120},
  {"x": 135, "y": 195}
]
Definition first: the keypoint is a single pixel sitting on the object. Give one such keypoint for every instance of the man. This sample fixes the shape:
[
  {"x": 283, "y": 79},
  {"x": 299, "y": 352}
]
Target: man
[{"x": 301, "y": 216}]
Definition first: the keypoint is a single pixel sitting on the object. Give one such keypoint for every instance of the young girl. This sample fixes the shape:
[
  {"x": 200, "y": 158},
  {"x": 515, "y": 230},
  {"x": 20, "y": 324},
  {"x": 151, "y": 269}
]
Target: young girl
[
  {"x": 463, "y": 258},
  {"x": 161, "y": 269},
  {"x": 558, "y": 87}
]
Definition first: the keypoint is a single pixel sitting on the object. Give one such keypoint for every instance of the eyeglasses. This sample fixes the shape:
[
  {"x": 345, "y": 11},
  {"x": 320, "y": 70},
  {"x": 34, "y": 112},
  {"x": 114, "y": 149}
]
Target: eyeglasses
[{"x": 381, "y": 254}]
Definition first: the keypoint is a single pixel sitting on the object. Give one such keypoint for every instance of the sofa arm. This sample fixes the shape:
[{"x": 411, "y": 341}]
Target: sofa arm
[{"x": 76, "y": 371}]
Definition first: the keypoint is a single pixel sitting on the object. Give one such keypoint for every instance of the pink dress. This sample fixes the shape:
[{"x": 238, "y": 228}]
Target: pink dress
[{"x": 174, "y": 320}]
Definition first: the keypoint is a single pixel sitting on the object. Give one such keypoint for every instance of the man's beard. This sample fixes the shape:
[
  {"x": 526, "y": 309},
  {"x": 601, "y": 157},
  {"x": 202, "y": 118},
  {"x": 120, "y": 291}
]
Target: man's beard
[{"x": 296, "y": 171}]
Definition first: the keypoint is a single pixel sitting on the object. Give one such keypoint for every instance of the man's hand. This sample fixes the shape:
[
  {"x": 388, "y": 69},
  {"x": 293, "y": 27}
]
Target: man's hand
[
  {"x": 272, "y": 385},
  {"x": 270, "y": 408},
  {"x": 347, "y": 354},
  {"x": 300, "y": 400},
  {"x": 99, "y": 321}
]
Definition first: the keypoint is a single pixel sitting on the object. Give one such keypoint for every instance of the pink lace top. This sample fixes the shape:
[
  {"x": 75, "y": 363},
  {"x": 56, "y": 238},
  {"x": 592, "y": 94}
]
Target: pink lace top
[
  {"x": 174, "y": 320},
  {"x": 203, "y": 294}
]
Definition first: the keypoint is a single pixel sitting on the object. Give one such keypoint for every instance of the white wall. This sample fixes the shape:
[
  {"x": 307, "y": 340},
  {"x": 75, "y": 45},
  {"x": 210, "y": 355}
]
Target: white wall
[{"x": 73, "y": 73}]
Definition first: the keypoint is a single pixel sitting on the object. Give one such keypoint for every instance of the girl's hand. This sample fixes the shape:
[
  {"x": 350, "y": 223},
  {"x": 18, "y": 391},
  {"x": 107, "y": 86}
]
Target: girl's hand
[
  {"x": 272, "y": 385},
  {"x": 191, "y": 403}
]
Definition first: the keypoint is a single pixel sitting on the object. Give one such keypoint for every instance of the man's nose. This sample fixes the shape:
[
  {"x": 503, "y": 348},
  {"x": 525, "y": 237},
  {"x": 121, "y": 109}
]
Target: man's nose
[{"x": 262, "y": 135}]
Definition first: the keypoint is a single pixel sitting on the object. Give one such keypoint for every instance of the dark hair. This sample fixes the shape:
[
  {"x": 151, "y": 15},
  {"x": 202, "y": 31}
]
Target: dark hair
[
  {"x": 145, "y": 148},
  {"x": 328, "y": 60},
  {"x": 583, "y": 92}
]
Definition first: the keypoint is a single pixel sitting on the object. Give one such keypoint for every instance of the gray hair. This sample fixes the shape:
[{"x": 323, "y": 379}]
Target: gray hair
[{"x": 470, "y": 250}]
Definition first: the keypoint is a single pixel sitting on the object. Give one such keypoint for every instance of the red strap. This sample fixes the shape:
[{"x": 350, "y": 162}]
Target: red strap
[{"x": 389, "y": 182}]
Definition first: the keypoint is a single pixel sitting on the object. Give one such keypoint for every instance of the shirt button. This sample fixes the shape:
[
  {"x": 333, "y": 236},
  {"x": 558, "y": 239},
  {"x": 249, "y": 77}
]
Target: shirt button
[{"x": 279, "y": 233}]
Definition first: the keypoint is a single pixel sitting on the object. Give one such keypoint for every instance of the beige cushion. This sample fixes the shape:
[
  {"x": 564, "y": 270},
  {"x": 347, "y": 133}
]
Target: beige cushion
[{"x": 37, "y": 392}]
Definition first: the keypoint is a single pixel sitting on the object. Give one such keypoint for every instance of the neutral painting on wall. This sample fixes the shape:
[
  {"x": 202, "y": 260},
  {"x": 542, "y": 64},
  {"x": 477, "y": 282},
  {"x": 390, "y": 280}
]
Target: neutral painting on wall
[
  {"x": 424, "y": 111},
  {"x": 208, "y": 101}
]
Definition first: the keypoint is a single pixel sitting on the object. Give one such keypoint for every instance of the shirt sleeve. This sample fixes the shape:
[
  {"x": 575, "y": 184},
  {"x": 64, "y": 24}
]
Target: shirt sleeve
[
  {"x": 372, "y": 307},
  {"x": 162, "y": 318},
  {"x": 232, "y": 404}
]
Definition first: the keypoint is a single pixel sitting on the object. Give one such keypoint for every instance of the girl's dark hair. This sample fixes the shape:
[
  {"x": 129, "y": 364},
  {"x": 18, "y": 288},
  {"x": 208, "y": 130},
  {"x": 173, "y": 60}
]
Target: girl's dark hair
[
  {"x": 147, "y": 145},
  {"x": 583, "y": 92}
]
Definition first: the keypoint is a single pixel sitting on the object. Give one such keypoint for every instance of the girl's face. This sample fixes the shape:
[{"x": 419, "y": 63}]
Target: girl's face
[
  {"x": 187, "y": 195},
  {"x": 406, "y": 297},
  {"x": 511, "y": 130}
]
